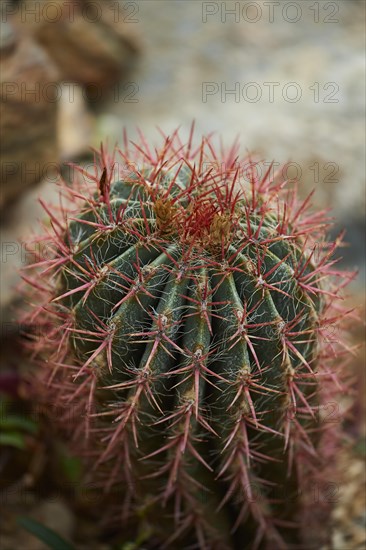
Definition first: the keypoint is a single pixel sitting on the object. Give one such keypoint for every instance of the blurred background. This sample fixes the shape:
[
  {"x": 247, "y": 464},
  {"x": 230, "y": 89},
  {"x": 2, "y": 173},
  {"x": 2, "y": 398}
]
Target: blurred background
[{"x": 287, "y": 78}]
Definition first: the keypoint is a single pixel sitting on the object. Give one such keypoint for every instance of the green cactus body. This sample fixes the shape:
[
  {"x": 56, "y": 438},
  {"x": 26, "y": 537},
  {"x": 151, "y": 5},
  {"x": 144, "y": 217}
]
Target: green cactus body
[{"x": 192, "y": 306}]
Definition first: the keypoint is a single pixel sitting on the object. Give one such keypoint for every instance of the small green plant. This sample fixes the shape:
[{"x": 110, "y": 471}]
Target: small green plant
[
  {"x": 185, "y": 314},
  {"x": 45, "y": 534},
  {"x": 14, "y": 427}
]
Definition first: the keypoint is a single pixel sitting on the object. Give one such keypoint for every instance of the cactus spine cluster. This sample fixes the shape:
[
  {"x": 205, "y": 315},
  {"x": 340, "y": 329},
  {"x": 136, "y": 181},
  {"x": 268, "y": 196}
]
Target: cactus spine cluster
[{"x": 184, "y": 312}]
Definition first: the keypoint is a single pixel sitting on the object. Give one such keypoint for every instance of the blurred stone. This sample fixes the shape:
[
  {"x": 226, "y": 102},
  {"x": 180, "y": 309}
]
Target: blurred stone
[
  {"x": 75, "y": 123},
  {"x": 89, "y": 41},
  {"x": 56, "y": 515},
  {"x": 8, "y": 38},
  {"x": 53, "y": 513},
  {"x": 220, "y": 73},
  {"x": 20, "y": 224},
  {"x": 28, "y": 109}
]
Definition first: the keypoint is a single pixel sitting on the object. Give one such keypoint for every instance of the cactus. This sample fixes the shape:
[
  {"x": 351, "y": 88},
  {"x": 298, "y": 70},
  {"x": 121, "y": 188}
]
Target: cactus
[{"x": 185, "y": 312}]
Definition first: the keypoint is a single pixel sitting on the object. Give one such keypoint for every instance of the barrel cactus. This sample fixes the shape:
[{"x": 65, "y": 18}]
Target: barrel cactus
[{"x": 185, "y": 305}]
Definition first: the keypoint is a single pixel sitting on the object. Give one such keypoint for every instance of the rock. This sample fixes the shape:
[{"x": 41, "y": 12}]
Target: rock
[
  {"x": 28, "y": 113},
  {"x": 75, "y": 123},
  {"x": 56, "y": 515},
  {"x": 87, "y": 40},
  {"x": 22, "y": 224},
  {"x": 220, "y": 73},
  {"x": 52, "y": 513}
]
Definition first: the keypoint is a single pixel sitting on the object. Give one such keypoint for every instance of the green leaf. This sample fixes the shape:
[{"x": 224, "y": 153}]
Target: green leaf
[
  {"x": 360, "y": 448},
  {"x": 70, "y": 465},
  {"x": 43, "y": 533},
  {"x": 17, "y": 422},
  {"x": 142, "y": 537},
  {"x": 12, "y": 439}
]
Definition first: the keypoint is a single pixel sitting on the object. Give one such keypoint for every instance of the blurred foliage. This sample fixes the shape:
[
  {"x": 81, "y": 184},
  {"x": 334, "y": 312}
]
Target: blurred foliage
[
  {"x": 15, "y": 427},
  {"x": 43, "y": 533},
  {"x": 360, "y": 448},
  {"x": 69, "y": 465}
]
